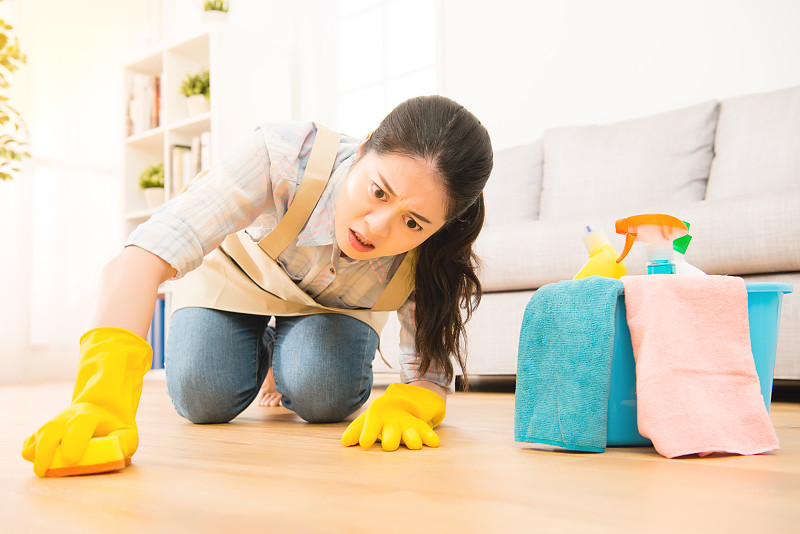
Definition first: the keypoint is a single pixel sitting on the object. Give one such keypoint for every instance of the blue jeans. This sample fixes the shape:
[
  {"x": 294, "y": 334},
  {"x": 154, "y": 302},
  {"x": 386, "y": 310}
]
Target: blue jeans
[{"x": 216, "y": 362}]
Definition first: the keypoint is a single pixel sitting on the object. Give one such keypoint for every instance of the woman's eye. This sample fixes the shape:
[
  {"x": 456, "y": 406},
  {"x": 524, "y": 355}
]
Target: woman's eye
[
  {"x": 411, "y": 223},
  {"x": 378, "y": 192}
]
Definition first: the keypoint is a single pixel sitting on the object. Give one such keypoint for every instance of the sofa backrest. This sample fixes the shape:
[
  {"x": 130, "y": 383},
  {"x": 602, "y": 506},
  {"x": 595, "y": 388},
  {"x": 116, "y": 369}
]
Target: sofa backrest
[
  {"x": 512, "y": 192},
  {"x": 628, "y": 166},
  {"x": 757, "y": 146},
  {"x": 737, "y": 148}
]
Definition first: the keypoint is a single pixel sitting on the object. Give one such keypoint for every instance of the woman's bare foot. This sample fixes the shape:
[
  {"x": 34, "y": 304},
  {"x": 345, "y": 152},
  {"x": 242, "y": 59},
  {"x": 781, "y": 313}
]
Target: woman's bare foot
[{"x": 268, "y": 395}]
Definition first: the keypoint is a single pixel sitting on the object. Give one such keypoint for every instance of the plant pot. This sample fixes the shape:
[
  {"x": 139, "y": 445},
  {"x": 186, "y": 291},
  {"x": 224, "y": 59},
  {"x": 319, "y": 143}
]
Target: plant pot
[
  {"x": 197, "y": 105},
  {"x": 212, "y": 15},
  {"x": 153, "y": 197}
]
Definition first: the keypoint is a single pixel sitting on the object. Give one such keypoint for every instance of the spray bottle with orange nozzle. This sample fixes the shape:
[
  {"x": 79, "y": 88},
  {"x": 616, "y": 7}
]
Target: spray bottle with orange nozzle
[{"x": 658, "y": 231}]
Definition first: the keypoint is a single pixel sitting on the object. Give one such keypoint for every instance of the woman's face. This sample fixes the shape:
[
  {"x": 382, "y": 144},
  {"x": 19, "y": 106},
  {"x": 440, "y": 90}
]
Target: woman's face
[{"x": 388, "y": 205}]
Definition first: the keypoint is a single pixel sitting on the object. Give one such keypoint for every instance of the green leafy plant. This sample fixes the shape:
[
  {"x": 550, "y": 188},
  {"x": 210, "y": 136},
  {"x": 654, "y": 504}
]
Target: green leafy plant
[
  {"x": 196, "y": 84},
  {"x": 152, "y": 176},
  {"x": 12, "y": 149},
  {"x": 216, "y": 5}
]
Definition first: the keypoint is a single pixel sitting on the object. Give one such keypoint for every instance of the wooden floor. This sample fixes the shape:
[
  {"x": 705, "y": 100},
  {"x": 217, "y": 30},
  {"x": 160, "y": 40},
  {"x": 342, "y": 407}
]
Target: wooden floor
[{"x": 269, "y": 472}]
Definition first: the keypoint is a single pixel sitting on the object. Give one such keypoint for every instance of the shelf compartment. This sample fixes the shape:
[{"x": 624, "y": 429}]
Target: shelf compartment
[
  {"x": 140, "y": 216},
  {"x": 152, "y": 64},
  {"x": 151, "y": 139},
  {"x": 193, "y": 126}
]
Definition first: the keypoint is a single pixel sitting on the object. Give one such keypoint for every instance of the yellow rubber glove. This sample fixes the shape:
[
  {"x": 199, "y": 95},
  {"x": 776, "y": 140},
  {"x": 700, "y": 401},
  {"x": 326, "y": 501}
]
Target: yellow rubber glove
[
  {"x": 404, "y": 412},
  {"x": 104, "y": 401}
]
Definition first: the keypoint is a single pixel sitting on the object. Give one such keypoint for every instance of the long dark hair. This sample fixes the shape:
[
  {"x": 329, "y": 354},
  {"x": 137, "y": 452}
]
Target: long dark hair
[{"x": 444, "y": 133}]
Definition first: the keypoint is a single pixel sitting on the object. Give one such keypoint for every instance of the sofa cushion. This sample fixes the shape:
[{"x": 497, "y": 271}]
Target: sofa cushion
[
  {"x": 746, "y": 235},
  {"x": 729, "y": 237},
  {"x": 620, "y": 167},
  {"x": 757, "y": 145},
  {"x": 512, "y": 192}
]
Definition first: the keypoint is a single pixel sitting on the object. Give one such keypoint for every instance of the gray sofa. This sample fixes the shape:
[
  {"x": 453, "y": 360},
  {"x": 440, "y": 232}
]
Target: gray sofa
[{"x": 730, "y": 168}]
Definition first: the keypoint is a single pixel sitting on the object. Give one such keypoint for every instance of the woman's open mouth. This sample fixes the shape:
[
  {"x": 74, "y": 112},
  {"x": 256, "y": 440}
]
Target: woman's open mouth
[{"x": 358, "y": 242}]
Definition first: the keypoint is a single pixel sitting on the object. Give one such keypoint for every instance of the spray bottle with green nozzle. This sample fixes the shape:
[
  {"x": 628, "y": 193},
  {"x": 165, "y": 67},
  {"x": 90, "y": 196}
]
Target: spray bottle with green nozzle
[{"x": 658, "y": 231}]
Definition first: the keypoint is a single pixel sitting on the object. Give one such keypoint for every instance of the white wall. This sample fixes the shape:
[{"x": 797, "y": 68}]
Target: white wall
[
  {"x": 524, "y": 66},
  {"x": 182, "y": 18}
]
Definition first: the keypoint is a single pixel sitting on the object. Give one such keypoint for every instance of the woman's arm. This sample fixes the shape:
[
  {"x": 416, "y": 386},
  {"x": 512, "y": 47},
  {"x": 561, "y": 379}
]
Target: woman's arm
[{"x": 128, "y": 288}]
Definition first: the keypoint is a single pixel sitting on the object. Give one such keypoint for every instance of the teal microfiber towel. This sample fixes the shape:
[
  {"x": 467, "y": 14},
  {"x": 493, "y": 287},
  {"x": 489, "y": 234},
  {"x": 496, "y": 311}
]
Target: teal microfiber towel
[{"x": 564, "y": 364}]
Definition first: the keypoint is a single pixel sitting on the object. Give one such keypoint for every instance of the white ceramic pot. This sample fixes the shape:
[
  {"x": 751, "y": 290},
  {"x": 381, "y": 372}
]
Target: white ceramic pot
[
  {"x": 197, "y": 105},
  {"x": 153, "y": 197},
  {"x": 212, "y": 15}
]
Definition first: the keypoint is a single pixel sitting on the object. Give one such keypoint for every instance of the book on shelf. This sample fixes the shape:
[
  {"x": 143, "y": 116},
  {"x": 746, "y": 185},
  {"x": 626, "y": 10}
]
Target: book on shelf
[
  {"x": 205, "y": 151},
  {"x": 178, "y": 169},
  {"x": 144, "y": 103},
  {"x": 196, "y": 153},
  {"x": 155, "y": 336},
  {"x": 189, "y": 169},
  {"x": 188, "y": 161}
]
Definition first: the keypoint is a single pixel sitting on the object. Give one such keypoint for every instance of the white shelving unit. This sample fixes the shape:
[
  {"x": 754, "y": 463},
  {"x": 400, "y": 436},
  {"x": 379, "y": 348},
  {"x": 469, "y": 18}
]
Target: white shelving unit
[
  {"x": 251, "y": 79},
  {"x": 251, "y": 84}
]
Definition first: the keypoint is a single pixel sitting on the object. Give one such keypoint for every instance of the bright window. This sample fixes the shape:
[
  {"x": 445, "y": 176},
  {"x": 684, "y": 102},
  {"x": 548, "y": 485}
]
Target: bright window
[{"x": 387, "y": 52}]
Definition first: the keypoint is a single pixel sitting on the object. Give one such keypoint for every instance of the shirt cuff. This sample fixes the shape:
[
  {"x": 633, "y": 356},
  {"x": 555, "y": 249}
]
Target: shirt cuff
[
  {"x": 171, "y": 240},
  {"x": 409, "y": 372}
]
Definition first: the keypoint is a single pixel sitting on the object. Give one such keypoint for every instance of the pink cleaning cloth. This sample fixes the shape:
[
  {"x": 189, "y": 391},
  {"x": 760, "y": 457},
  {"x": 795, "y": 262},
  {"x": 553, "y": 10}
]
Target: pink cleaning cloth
[{"x": 696, "y": 382}]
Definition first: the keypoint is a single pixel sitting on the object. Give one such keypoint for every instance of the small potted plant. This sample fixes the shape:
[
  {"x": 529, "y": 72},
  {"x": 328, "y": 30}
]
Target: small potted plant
[
  {"x": 215, "y": 11},
  {"x": 196, "y": 88},
  {"x": 152, "y": 181}
]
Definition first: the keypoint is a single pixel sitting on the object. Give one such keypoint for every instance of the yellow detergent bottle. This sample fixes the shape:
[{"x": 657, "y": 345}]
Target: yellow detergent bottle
[{"x": 602, "y": 257}]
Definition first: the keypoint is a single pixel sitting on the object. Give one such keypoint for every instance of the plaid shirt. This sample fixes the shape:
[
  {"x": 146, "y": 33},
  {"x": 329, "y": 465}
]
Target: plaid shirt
[{"x": 252, "y": 189}]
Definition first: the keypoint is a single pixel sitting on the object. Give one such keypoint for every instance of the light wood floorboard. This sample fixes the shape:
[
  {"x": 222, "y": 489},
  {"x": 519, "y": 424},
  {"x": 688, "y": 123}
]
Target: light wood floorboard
[{"x": 269, "y": 472}]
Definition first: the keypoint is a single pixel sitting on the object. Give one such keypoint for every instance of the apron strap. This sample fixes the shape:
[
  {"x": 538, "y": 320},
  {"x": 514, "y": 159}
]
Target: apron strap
[{"x": 315, "y": 178}]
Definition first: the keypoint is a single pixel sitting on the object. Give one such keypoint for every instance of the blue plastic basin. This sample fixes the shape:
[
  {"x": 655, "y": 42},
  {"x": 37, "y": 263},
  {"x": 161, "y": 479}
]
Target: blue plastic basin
[{"x": 764, "y": 312}]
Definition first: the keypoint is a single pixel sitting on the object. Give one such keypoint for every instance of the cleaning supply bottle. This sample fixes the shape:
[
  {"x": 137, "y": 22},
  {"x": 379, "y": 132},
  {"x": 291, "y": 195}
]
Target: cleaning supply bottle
[
  {"x": 679, "y": 246},
  {"x": 658, "y": 230},
  {"x": 602, "y": 257}
]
